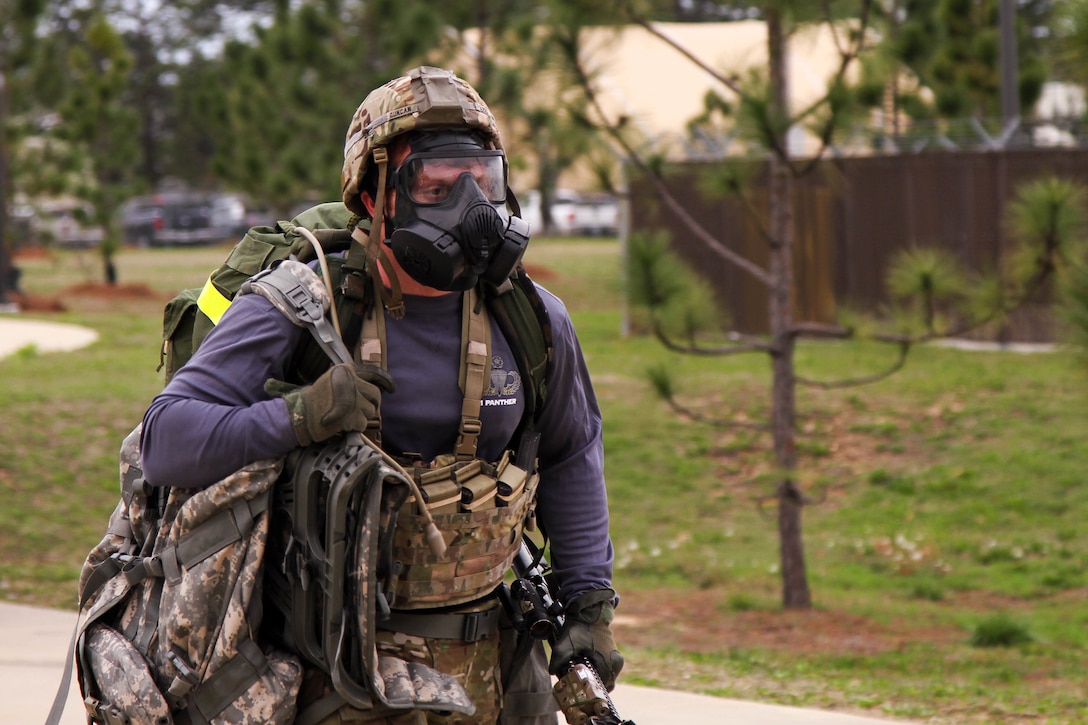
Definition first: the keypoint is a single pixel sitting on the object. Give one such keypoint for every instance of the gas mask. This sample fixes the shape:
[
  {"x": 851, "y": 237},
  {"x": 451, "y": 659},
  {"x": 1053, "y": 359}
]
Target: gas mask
[{"x": 451, "y": 228}]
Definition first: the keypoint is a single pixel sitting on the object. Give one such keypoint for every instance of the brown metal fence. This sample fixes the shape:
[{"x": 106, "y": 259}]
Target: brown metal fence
[{"x": 851, "y": 216}]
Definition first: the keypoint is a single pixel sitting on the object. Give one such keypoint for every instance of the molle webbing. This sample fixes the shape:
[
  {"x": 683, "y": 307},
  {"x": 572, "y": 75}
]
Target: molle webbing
[{"x": 482, "y": 526}]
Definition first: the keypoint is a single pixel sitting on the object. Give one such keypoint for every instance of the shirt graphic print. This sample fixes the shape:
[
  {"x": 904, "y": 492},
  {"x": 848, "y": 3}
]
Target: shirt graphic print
[{"x": 504, "y": 386}]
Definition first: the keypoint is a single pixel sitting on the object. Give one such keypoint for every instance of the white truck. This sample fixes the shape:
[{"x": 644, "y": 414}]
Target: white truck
[
  {"x": 573, "y": 213},
  {"x": 596, "y": 216}
]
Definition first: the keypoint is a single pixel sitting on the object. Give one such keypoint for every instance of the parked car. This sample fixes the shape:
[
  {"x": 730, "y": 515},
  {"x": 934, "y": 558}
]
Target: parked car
[
  {"x": 596, "y": 216},
  {"x": 181, "y": 218},
  {"x": 530, "y": 211},
  {"x": 565, "y": 211},
  {"x": 229, "y": 214},
  {"x": 65, "y": 223},
  {"x": 568, "y": 216}
]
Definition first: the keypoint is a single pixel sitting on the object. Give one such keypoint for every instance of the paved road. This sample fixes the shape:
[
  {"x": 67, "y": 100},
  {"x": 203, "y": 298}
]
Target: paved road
[
  {"x": 34, "y": 641},
  {"x": 34, "y": 645}
]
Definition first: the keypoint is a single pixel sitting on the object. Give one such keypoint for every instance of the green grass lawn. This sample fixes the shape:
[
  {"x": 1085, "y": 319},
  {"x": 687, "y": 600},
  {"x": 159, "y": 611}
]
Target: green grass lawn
[{"x": 945, "y": 543}]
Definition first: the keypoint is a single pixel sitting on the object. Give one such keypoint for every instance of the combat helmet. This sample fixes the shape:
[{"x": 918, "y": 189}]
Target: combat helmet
[{"x": 424, "y": 99}]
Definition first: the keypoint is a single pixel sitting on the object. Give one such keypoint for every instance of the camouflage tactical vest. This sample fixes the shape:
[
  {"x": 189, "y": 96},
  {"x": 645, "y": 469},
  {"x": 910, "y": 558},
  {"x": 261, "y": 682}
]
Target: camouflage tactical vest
[{"x": 479, "y": 506}]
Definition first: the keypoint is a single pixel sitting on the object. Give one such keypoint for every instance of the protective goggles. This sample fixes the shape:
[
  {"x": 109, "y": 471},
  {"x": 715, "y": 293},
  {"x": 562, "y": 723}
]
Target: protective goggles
[{"x": 428, "y": 177}]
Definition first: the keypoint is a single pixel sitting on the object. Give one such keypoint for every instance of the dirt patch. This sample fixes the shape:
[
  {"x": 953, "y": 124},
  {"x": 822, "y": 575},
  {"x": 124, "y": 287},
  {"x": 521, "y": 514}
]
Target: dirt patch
[
  {"x": 32, "y": 253},
  {"x": 539, "y": 273},
  {"x": 700, "y": 622},
  {"x": 61, "y": 301},
  {"x": 129, "y": 291},
  {"x": 38, "y": 303},
  {"x": 836, "y": 449}
]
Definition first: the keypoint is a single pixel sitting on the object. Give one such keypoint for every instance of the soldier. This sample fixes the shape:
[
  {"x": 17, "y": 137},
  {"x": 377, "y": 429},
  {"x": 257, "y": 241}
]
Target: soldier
[{"x": 424, "y": 162}]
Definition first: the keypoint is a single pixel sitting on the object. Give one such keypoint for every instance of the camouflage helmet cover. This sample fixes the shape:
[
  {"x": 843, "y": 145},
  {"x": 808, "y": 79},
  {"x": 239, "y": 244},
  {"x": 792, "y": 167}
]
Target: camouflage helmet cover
[{"x": 425, "y": 99}]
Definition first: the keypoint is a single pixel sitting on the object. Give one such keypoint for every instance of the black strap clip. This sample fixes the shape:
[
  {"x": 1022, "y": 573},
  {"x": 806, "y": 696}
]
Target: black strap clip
[{"x": 478, "y": 625}]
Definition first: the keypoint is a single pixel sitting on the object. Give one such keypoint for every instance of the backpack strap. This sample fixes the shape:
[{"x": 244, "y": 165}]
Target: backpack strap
[
  {"x": 520, "y": 313},
  {"x": 473, "y": 376},
  {"x": 475, "y": 371},
  {"x": 233, "y": 678},
  {"x": 363, "y": 258},
  {"x": 299, "y": 294},
  {"x": 372, "y": 346},
  {"x": 372, "y": 349}
]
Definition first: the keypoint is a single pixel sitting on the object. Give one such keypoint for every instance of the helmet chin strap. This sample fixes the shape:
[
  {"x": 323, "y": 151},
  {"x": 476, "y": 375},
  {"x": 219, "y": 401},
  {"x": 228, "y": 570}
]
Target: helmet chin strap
[
  {"x": 392, "y": 299},
  {"x": 374, "y": 243}
]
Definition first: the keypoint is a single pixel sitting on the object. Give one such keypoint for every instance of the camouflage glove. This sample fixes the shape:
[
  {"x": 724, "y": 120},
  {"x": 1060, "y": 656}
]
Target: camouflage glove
[
  {"x": 344, "y": 398},
  {"x": 586, "y": 633}
]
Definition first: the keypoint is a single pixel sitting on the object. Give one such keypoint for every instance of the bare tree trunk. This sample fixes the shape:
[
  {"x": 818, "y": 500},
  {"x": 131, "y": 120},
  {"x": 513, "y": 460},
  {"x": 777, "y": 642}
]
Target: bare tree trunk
[
  {"x": 483, "y": 22},
  {"x": 5, "y": 257},
  {"x": 795, "y": 591}
]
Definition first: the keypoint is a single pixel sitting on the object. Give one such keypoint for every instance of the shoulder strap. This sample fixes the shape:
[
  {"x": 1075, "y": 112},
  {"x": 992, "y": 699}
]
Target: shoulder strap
[
  {"x": 472, "y": 378},
  {"x": 300, "y": 295},
  {"x": 475, "y": 371},
  {"x": 372, "y": 349},
  {"x": 523, "y": 319}
]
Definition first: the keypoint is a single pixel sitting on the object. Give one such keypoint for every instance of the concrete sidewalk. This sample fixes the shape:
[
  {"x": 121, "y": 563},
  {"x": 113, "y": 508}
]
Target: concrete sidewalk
[
  {"x": 34, "y": 648},
  {"x": 34, "y": 641},
  {"x": 17, "y": 333}
]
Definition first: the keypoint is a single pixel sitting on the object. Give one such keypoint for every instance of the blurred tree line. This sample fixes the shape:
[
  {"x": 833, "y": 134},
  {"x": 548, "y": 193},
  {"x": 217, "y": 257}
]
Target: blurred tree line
[{"x": 106, "y": 98}]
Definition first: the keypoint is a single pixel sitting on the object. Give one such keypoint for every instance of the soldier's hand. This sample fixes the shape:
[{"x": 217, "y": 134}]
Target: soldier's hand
[
  {"x": 343, "y": 399},
  {"x": 586, "y": 633}
]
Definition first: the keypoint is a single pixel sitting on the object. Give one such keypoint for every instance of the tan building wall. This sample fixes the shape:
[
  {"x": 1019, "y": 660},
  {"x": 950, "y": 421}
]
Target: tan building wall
[
  {"x": 652, "y": 82},
  {"x": 644, "y": 78}
]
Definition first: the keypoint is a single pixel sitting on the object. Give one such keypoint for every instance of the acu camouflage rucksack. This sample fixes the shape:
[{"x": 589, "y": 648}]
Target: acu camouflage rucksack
[{"x": 170, "y": 605}]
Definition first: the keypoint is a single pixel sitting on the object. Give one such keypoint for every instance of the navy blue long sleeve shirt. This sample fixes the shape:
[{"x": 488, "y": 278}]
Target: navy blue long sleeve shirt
[{"x": 214, "y": 416}]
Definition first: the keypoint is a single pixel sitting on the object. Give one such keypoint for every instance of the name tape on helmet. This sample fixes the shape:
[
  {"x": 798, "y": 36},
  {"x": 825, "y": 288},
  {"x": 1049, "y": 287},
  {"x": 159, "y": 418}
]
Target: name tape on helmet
[
  {"x": 373, "y": 126},
  {"x": 352, "y": 140},
  {"x": 391, "y": 116}
]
